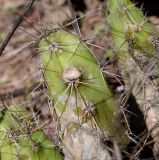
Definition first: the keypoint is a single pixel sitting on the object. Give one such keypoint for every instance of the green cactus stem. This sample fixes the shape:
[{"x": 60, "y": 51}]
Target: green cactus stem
[
  {"x": 128, "y": 24},
  {"x": 133, "y": 37},
  {"x": 21, "y": 139},
  {"x": 76, "y": 83},
  {"x": 132, "y": 33}
]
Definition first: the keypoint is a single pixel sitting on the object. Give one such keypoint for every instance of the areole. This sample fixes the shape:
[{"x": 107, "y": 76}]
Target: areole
[{"x": 71, "y": 75}]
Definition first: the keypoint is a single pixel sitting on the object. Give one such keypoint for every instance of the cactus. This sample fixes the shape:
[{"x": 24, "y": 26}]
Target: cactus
[
  {"x": 75, "y": 82},
  {"x": 132, "y": 33},
  {"x": 21, "y": 139},
  {"x": 84, "y": 108},
  {"x": 133, "y": 38}
]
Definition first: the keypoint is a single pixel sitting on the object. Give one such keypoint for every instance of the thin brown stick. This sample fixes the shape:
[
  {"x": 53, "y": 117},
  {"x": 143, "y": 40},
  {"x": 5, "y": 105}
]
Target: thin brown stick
[{"x": 15, "y": 25}]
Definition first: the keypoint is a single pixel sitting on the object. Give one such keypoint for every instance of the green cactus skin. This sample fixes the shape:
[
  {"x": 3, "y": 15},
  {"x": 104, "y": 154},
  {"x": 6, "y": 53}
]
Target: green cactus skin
[
  {"x": 128, "y": 24},
  {"x": 132, "y": 36},
  {"x": 76, "y": 83},
  {"x": 20, "y": 140}
]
